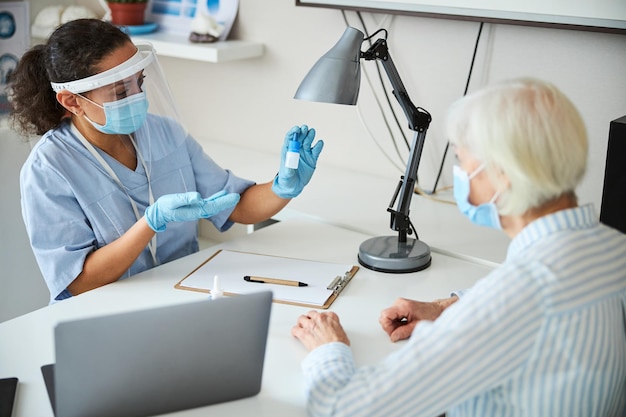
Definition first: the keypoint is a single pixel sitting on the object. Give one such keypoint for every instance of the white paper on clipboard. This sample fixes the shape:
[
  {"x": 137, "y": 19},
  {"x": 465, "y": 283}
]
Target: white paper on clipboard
[{"x": 324, "y": 280}]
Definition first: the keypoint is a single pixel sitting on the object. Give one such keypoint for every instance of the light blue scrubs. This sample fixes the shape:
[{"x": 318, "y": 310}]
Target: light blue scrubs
[{"x": 72, "y": 207}]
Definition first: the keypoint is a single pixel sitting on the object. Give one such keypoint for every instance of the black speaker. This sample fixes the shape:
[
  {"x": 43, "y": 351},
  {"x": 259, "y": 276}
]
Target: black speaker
[{"x": 613, "y": 209}]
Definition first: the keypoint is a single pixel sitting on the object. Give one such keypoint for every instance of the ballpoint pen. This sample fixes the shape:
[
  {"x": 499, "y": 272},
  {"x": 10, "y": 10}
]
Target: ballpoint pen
[{"x": 263, "y": 280}]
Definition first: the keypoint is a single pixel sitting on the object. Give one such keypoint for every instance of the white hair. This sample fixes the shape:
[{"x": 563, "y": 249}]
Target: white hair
[{"x": 528, "y": 130}]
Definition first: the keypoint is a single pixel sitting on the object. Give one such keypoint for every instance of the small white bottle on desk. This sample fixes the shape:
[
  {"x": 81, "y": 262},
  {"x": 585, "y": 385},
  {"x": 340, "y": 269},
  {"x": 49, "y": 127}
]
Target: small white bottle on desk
[{"x": 216, "y": 291}]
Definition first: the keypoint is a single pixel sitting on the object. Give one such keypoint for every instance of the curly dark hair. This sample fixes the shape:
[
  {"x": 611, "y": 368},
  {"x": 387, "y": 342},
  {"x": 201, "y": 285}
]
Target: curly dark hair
[{"x": 72, "y": 52}]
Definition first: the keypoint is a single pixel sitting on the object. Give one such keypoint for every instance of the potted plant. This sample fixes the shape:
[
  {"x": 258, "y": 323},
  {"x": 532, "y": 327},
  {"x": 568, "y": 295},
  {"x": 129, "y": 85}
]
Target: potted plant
[{"x": 127, "y": 12}]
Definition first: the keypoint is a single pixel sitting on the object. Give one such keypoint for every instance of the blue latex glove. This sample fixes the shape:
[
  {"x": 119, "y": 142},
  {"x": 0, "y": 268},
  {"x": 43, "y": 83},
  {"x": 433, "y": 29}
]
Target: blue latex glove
[
  {"x": 186, "y": 207},
  {"x": 290, "y": 182}
]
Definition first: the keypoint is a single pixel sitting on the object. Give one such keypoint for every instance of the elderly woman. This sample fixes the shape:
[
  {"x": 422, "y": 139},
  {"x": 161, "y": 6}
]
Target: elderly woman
[{"x": 544, "y": 334}]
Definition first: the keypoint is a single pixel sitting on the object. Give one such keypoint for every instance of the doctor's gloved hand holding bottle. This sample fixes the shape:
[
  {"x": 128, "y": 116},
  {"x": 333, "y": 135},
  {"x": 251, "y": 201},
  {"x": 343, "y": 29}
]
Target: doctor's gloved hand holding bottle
[{"x": 290, "y": 182}]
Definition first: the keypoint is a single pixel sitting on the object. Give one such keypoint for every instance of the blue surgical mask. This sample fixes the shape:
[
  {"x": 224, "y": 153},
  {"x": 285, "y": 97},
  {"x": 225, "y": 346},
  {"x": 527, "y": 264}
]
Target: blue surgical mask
[
  {"x": 123, "y": 116},
  {"x": 485, "y": 214}
]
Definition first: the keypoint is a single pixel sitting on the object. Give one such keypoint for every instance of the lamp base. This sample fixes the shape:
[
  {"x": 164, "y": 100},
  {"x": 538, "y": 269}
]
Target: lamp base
[{"x": 387, "y": 254}]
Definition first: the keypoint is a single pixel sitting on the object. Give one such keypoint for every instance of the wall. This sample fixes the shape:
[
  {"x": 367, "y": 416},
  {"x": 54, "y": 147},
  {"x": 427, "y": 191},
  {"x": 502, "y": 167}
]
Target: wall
[
  {"x": 22, "y": 288},
  {"x": 250, "y": 103}
]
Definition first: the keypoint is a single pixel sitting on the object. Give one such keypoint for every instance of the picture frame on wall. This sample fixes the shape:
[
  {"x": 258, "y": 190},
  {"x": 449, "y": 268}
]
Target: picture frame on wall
[
  {"x": 597, "y": 16},
  {"x": 14, "y": 41},
  {"x": 176, "y": 15}
]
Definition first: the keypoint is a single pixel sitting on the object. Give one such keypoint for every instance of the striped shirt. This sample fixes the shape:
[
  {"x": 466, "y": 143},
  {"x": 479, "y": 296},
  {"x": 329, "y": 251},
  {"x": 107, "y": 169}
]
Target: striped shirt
[{"x": 544, "y": 334}]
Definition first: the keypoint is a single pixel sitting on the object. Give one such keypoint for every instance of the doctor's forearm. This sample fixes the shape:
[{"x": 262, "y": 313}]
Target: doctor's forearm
[
  {"x": 258, "y": 203},
  {"x": 107, "y": 264}
]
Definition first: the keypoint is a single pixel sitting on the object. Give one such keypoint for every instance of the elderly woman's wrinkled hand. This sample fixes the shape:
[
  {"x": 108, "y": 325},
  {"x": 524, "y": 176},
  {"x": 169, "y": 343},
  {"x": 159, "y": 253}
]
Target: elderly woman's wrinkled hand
[
  {"x": 315, "y": 329},
  {"x": 399, "y": 320}
]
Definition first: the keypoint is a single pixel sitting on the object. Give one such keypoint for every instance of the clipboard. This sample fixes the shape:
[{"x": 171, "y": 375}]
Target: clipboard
[{"x": 325, "y": 281}]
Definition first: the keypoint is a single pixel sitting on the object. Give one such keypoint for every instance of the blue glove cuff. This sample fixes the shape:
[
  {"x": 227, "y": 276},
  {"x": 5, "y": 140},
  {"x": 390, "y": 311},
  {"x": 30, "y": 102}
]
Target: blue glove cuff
[
  {"x": 151, "y": 215},
  {"x": 281, "y": 192}
]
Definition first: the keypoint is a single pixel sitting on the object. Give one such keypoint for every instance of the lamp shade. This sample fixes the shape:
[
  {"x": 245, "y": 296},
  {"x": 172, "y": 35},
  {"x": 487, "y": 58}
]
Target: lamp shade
[{"x": 336, "y": 76}]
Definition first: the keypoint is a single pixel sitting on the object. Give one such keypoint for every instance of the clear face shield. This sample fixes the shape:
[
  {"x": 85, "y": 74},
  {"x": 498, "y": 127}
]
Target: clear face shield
[{"x": 133, "y": 98}]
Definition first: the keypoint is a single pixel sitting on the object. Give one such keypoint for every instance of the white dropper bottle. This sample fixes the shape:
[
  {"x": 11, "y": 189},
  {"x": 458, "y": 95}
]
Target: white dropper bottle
[
  {"x": 292, "y": 158},
  {"x": 216, "y": 291}
]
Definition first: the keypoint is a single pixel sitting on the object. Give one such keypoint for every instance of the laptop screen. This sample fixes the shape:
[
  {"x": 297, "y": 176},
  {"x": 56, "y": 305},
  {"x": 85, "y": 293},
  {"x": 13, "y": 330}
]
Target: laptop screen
[{"x": 160, "y": 360}]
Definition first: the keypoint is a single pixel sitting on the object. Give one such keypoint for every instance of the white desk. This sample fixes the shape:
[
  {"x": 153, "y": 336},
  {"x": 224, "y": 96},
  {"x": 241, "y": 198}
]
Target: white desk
[
  {"x": 26, "y": 342},
  {"x": 358, "y": 202}
]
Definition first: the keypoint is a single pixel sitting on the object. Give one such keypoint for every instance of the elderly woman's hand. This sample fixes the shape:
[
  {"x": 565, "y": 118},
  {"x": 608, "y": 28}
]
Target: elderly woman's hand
[
  {"x": 315, "y": 329},
  {"x": 399, "y": 320}
]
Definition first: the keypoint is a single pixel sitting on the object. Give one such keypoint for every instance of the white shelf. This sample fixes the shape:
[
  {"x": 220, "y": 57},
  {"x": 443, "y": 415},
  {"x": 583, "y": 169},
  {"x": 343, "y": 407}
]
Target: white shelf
[{"x": 179, "y": 46}]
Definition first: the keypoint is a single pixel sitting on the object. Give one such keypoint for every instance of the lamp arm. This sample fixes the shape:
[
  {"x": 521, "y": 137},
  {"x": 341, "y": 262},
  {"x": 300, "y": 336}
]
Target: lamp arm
[{"x": 419, "y": 120}]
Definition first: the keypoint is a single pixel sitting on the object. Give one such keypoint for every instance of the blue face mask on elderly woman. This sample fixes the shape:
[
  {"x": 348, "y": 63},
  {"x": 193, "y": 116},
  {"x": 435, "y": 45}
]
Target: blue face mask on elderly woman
[
  {"x": 485, "y": 214},
  {"x": 123, "y": 116}
]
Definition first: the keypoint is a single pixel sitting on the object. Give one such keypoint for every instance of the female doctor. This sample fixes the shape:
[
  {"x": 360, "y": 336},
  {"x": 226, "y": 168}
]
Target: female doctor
[{"x": 116, "y": 185}]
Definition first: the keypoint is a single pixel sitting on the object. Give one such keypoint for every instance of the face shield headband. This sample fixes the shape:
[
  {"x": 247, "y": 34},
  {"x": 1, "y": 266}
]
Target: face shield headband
[{"x": 143, "y": 57}]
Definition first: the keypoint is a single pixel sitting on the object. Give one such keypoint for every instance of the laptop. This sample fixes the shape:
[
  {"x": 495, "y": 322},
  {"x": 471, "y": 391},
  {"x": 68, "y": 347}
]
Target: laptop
[
  {"x": 8, "y": 391},
  {"x": 160, "y": 360}
]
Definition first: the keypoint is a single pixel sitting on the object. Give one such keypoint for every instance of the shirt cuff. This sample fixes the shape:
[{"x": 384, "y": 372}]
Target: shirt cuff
[
  {"x": 459, "y": 293},
  {"x": 331, "y": 363}
]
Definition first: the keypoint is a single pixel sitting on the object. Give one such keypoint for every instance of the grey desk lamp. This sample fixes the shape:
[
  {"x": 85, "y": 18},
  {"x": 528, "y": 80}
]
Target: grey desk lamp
[{"x": 336, "y": 78}]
